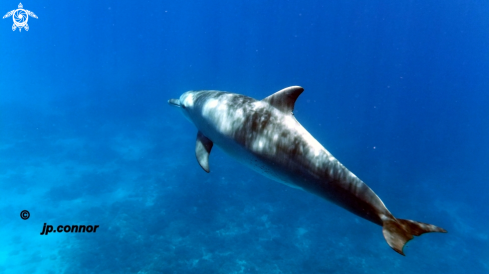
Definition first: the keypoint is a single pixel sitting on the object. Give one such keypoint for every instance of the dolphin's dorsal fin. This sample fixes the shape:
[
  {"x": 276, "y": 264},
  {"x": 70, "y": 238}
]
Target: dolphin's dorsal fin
[
  {"x": 284, "y": 99},
  {"x": 203, "y": 148}
]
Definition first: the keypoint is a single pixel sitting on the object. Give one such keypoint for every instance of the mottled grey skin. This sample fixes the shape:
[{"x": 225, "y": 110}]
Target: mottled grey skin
[{"x": 265, "y": 136}]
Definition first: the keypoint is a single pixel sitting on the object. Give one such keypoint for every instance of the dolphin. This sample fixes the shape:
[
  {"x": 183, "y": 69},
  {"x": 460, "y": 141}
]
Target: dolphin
[{"x": 265, "y": 136}]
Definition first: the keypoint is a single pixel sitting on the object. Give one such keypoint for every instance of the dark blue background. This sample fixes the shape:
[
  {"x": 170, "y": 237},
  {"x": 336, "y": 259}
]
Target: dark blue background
[{"x": 397, "y": 91}]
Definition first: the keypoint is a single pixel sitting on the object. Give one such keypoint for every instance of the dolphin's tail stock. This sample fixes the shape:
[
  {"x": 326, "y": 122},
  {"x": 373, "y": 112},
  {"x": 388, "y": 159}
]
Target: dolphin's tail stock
[{"x": 397, "y": 232}]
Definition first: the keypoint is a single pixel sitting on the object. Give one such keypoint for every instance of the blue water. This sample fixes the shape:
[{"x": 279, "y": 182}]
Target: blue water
[{"x": 398, "y": 91}]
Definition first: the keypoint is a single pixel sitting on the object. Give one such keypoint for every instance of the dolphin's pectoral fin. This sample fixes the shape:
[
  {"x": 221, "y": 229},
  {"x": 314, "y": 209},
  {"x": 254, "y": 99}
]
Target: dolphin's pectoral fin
[
  {"x": 284, "y": 99},
  {"x": 397, "y": 232},
  {"x": 203, "y": 148}
]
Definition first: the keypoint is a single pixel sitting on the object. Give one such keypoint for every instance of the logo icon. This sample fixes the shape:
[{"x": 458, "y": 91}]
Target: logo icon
[
  {"x": 20, "y": 17},
  {"x": 25, "y": 215}
]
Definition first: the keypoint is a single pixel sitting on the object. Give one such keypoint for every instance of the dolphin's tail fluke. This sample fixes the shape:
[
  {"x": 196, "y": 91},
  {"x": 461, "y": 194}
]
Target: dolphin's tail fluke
[{"x": 397, "y": 232}]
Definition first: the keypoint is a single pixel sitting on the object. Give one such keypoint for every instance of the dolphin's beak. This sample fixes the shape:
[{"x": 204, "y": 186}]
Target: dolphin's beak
[{"x": 174, "y": 102}]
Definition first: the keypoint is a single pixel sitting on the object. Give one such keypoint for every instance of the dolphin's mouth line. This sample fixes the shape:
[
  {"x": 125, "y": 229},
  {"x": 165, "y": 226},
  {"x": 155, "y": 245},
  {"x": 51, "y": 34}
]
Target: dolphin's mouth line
[{"x": 174, "y": 102}]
